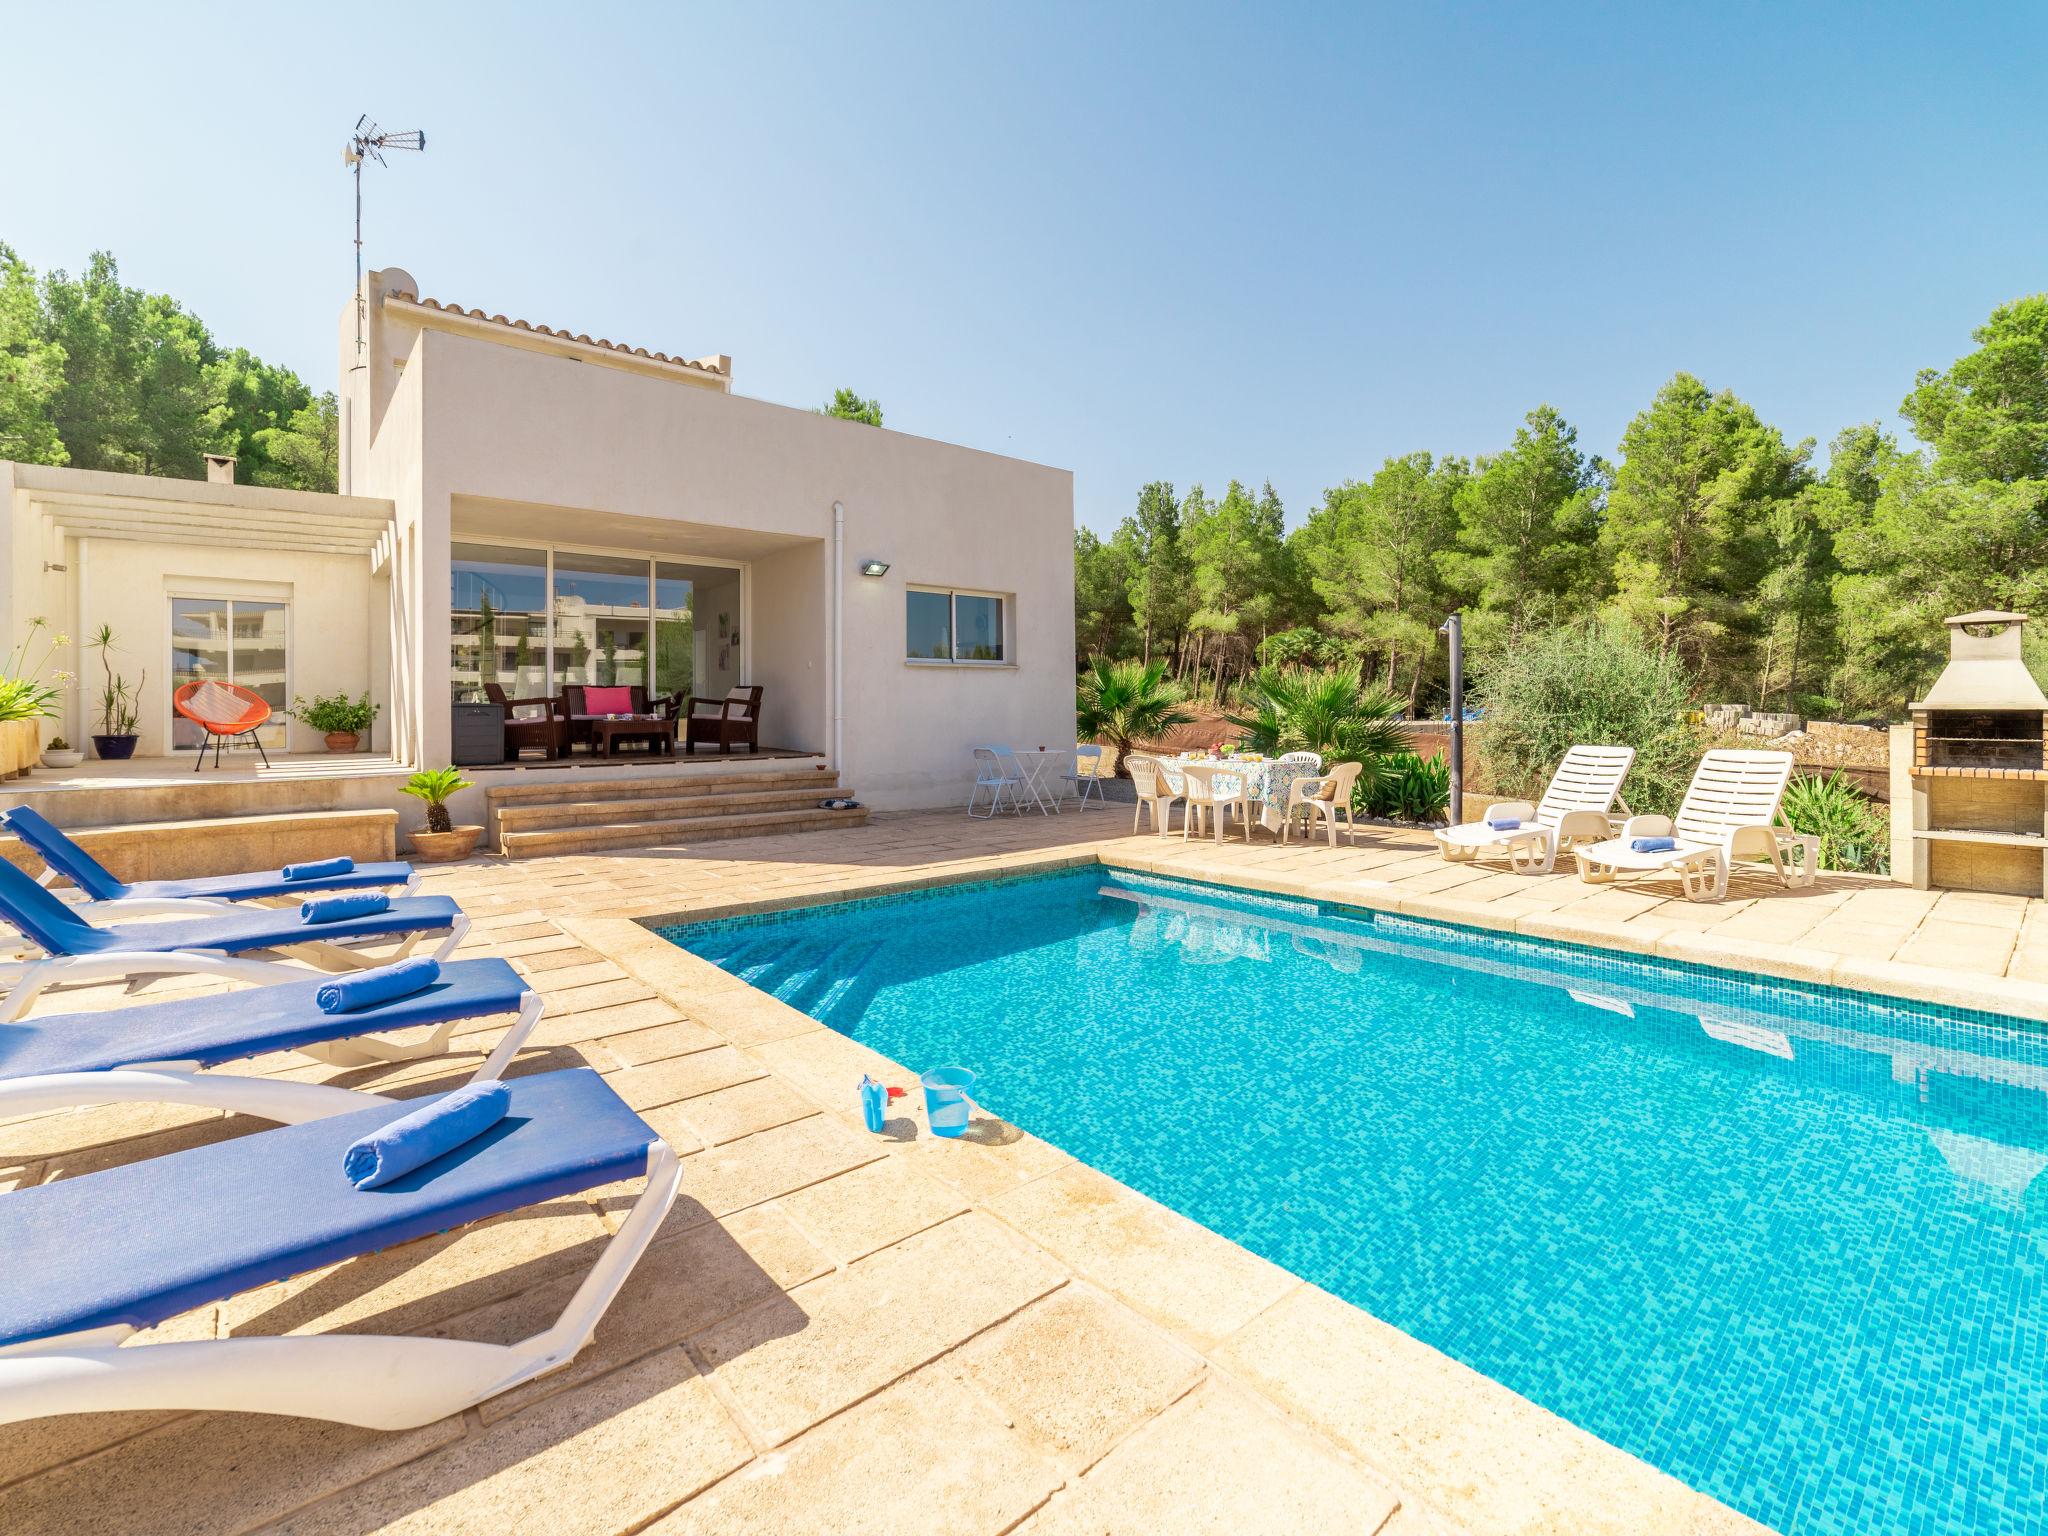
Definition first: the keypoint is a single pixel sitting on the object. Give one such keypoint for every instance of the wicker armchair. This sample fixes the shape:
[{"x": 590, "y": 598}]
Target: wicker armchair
[
  {"x": 547, "y": 731},
  {"x": 732, "y": 721}
]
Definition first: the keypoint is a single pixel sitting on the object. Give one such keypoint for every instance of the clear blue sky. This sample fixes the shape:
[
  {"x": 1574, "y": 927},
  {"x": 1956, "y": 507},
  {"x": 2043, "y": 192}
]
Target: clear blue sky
[{"x": 1185, "y": 242}]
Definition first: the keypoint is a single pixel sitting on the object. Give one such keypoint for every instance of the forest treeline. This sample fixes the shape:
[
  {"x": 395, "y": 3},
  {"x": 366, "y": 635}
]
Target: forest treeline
[
  {"x": 1779, "y": 584},
  {"x": 98, "y": 375}
]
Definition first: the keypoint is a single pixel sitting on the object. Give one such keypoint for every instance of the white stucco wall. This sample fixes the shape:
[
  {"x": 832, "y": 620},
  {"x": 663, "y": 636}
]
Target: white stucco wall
[{"x": 486, "y": 422}]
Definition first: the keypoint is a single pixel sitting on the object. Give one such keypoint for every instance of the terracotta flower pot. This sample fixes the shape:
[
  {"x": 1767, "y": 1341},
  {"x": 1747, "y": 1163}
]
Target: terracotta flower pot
[
  {"x": 342, "y": 741},
  {"x": 439, "y": 847}
]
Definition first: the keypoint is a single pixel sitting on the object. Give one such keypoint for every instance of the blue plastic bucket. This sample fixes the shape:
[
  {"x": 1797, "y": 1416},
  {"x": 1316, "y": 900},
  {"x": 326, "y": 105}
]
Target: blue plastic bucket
[{"x": 945, "y": 1099}]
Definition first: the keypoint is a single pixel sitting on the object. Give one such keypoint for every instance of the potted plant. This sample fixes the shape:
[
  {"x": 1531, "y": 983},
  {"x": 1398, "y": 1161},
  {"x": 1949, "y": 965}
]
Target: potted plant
[
  {"x": 120, "y": 705},
  {"x": 442, "y": 839},
  {"x": 339, "y": 718},
  {"x": 25, "y": 700},
  {"x": 61, "y": 754}
]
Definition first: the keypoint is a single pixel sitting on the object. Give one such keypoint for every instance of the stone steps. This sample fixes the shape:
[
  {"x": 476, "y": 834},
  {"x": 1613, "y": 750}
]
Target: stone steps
[{"x": 535, "y": 820}]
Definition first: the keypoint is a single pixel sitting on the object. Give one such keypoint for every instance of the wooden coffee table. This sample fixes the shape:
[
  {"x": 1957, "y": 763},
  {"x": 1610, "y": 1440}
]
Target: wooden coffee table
[{"x": 658, "y": 733}]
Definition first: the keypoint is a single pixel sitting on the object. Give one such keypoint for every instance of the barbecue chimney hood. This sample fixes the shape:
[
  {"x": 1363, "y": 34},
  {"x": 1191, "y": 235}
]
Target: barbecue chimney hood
[{"x": 1984, "y": 670}]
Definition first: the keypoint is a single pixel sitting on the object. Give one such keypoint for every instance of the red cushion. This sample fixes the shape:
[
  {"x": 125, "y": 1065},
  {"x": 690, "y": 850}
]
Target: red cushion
[{"x": 608, "y": 701}]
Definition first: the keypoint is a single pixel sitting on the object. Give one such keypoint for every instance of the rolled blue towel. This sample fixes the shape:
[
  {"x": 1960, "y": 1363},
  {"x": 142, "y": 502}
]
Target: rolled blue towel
[
  {"x": 335, "y": 909},
  {"x": 366, "y": 989},
  {"x": 1652, "y": 844},
  {"x": 319, "y": 869},
  {"x": 1503, "y": 823},
  {"x": 399, "y": 1146}
]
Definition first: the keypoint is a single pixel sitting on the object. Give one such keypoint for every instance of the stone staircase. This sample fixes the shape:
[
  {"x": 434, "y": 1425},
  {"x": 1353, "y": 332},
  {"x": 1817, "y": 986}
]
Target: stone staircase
[{"x": 527, "y": 821}]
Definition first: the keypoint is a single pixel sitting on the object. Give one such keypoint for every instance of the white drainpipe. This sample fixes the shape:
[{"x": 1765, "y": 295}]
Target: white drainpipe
[{"x": 839, "y": 641}]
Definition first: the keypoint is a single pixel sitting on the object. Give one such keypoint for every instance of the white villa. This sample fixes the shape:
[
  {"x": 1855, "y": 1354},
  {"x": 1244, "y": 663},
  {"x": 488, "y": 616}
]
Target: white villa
[{"x": 538, "y": 509}]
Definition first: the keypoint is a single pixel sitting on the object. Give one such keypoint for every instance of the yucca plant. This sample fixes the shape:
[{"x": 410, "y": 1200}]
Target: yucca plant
[
  {"x": 1126, "y": 702},
  {"x": 1328, "y": 712},
  {"x": 435, "y": 786},
  {"x": 1855, "y": 832}
]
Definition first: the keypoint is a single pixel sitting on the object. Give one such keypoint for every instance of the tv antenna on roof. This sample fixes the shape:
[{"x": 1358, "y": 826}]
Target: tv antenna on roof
[{"x": 369, "y": 142}]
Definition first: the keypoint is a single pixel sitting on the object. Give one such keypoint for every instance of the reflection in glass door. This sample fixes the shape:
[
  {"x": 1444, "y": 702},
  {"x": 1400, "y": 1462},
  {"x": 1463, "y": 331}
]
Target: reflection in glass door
[
  {"x": 601, "y": 620},
  {"x": 232, "y": 640}
]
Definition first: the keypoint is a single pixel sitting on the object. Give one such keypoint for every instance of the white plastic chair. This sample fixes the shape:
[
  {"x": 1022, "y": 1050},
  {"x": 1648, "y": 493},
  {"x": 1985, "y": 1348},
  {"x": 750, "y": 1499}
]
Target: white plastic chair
[
  {"x": 1155, "y": 793},
  {"x": 991, "y": 774},
  {"x": 1087, "y": 775},
  {"x": 1305, "y": 794},
  {"x": 1214, "y": 791}
]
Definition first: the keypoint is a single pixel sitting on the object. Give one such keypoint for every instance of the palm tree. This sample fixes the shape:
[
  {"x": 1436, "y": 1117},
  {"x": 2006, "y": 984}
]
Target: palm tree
[
  {"x": 1333, "y": 713},
  {"x": 1125, "y": 702}
]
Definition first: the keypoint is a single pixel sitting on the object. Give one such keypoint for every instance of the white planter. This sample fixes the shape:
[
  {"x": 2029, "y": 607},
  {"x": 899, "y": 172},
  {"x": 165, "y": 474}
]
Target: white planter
[{"x": 53, "y": 759}]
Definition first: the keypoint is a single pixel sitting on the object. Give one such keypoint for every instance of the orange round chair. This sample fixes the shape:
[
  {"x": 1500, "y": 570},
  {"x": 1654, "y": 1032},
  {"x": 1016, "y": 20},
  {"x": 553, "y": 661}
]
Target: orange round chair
[{"x": 223, "y": 711}]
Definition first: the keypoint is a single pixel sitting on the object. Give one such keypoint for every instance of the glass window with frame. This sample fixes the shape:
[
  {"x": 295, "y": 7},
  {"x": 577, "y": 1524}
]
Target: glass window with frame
[
  {"x": 953, "y": 626},
  {"x": 498, "y": 620}
]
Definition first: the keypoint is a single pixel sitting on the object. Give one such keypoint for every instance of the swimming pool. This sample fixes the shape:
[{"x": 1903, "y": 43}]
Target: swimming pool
[{"x": 1786, "y": 1242}]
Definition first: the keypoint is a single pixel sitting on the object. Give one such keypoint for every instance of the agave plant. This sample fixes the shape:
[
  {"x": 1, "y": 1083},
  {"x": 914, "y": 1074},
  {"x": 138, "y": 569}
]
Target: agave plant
[
  {"x": 1332, "y": 713},
  {"x": 1126, "y": 702}
]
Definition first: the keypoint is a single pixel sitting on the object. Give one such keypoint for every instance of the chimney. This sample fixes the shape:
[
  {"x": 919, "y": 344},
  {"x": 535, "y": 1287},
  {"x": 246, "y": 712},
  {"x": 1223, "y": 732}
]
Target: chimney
[{"x": 220, "y": 469}]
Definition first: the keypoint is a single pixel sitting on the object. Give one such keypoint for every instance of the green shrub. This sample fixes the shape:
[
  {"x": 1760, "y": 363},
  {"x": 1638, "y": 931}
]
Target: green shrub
[
  {"x": 1594, "y": 683},
  {"x": 1855, "y": 832},
  {"x": 435, "y": 786},
  {"x": 329, "y": 713},
  {"x": 1408, "y": 788},
  {"x": 1331, "y": 713}
]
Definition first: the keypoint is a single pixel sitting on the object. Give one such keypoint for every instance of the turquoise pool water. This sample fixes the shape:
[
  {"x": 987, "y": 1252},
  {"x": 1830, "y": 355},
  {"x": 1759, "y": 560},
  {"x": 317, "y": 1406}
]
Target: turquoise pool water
[{"x": 1787, "y": 1243}]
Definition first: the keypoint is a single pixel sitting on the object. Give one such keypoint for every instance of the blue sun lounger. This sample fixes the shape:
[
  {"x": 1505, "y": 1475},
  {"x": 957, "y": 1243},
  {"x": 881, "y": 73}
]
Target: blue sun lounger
[
  {"x": 214, "y": 945},
  {"x": 91, "y": 1260},
  {"x": 153, "y": 1053},
  {"x": 111, "y": 897}
]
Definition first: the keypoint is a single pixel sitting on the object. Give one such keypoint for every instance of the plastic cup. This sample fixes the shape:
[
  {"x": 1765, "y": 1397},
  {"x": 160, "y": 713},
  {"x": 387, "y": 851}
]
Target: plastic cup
[
  {"x": 945, "y": 1099},
  {"x": 874, "y": 1103}
]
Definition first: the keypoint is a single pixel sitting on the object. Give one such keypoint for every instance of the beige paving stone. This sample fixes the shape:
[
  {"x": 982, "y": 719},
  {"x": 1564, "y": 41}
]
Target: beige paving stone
[
  {"x": 1752, "y": 956},
  {"x": 603, "y": 994},
  {"x": 921, "y": 1454},
  {"x": 1959, "y": 946},
  {"x": 209, "y": 1475},
  {"x": 743, "y": 1109},
  {"x": 539, "y": 956},
  {"x": 991, "y": 1158},
  {"x": 682, "y": 1285},
  {"x": 751, "y": 1018},
  {"x": 678, "y": 1038},
  {"x": 756, "y": 1168},
  {"x": 1078, "y": 1371},
  {"x": 600, "y": 1459},
  {"x": 828, "y": 1066},
  {"x": 790, "y": 1362},
  {"x": 78, "y": 1130},
  {"x": 1174, "y": 1270},
  {"x": 1219, "y": 1461},
  {"x": 406, "y": 1288},
  {"x": 37, "y": 1445},
  {"x": 684, "y": 1077},
  {"x": 871, "y": 1207},
  {"x": 1489, "y": 1459}
]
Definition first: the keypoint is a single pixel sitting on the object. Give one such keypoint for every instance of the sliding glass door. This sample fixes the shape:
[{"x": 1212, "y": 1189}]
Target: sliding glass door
[
  {"x": 231, "y": 640},
  {"x": 535, "y": 620}
]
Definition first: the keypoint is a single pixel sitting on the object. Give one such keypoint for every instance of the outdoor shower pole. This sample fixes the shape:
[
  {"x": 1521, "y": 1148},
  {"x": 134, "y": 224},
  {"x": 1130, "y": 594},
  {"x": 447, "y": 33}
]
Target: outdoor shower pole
[{"x": 1453, "y": 628}]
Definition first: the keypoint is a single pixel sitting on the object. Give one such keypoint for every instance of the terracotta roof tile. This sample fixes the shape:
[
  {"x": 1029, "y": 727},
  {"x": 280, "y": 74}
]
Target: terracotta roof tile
[{"x": 542, "y": 330}]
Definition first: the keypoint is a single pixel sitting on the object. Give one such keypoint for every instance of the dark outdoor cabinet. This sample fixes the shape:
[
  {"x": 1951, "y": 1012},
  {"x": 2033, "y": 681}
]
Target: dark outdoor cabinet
[{"x": 477, "y": 737}]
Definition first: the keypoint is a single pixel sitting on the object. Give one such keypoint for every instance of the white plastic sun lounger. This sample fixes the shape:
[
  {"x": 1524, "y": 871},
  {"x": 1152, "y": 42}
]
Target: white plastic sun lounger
[
  {"x": 1730, "y": 812},
  {"x": 92, "y": 1260},
  {"x": 248, "y": 944},
  {"x": 154, "y": 1053},
  {"x": 1585, "y": 788}
]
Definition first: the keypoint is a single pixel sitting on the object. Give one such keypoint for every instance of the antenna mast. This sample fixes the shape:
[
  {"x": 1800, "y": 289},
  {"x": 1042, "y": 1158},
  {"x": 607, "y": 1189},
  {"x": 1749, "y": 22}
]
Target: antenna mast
[{"x": 366, "y": 143}]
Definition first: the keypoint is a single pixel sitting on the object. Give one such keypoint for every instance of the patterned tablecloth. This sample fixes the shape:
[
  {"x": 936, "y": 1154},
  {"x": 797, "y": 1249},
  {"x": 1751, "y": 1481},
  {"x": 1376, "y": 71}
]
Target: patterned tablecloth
[{"x": 1265, "y": 781}]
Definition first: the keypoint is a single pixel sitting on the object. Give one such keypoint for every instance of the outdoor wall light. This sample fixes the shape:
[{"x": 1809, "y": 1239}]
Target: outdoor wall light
[{"x": 874, "y": 567}]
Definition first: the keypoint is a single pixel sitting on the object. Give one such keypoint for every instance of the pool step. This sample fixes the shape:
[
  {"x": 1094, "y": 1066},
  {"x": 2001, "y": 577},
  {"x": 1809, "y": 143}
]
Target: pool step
[{"x": 588, "y": 816}]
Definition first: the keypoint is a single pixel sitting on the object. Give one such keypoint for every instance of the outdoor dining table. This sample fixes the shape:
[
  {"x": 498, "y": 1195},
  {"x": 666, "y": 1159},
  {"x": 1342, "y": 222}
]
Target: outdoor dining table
[{"x": 1265, "y": 780}]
